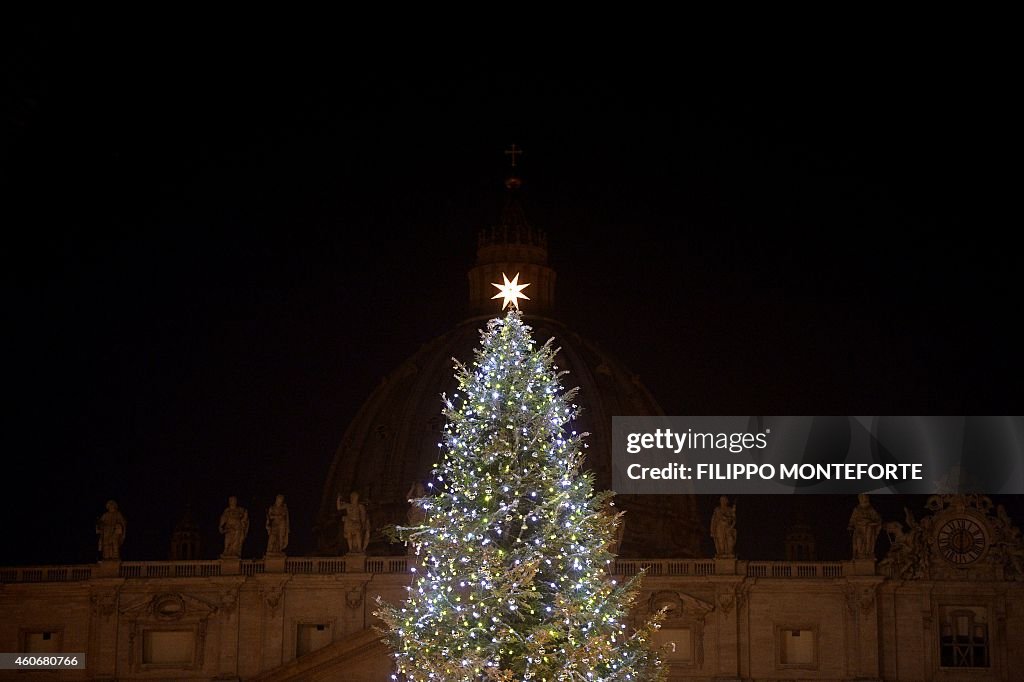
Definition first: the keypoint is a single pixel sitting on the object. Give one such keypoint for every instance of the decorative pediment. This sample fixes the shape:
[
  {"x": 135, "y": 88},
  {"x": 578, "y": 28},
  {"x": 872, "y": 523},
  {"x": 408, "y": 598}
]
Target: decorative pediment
[
  {"x": 272, "y": 593},
  {"x": 683, "y": 613},
  {"x": 962, "y": 536},
  {"x": 229, "y": 600},
  {"x": 354, "y": 597},
  {"x": 959, "y": 502},
  {"x": 170, "y": 607},
  {"x": 173, "y": 612},
  {"x": 103, "y": 604},
  {"x": 733, "y": 597},
  {"x": 679, "y": 605},
  {"x": 860, "y": 598}
]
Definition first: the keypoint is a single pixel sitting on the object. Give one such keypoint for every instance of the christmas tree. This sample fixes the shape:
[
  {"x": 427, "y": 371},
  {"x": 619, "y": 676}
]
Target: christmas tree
[{"x": 512, "y": 580}]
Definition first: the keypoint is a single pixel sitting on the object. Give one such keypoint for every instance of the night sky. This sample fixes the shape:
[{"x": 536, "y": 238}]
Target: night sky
[{"x": 218, "y": 243}]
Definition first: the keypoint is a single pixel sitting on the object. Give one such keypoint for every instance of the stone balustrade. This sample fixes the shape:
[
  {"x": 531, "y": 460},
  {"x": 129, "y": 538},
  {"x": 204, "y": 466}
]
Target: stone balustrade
[
  {"x": 168, "y": 569},
  {"x": 46, "y": 574},
  {"x": 796, "y": 569},
  {"x": 753, "y": 569},
  {"x": 627, "y": 568}
]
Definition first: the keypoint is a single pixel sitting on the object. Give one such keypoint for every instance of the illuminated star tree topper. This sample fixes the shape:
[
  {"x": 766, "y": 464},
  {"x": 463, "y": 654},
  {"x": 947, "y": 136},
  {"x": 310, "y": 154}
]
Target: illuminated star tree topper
[{"x": 510, "y": 291}]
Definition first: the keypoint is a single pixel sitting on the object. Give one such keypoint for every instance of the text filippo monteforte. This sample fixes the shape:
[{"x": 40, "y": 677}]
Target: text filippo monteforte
[{"x": 667, "y": 440}]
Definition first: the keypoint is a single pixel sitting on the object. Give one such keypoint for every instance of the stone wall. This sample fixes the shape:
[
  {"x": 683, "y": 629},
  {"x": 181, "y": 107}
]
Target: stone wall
[{"x": 309, "y": 619}]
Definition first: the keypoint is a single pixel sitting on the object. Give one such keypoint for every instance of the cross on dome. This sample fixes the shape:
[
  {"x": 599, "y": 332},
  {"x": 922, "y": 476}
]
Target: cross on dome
[{"x": 513, "y": 152}]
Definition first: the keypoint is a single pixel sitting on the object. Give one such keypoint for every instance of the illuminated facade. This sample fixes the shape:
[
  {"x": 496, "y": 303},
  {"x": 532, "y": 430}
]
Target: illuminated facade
[{"x": 947, "y": 603}]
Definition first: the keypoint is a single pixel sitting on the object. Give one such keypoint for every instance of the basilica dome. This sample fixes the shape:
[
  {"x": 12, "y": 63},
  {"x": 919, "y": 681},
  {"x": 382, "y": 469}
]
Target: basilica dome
[{"x": 393, "y": 440}]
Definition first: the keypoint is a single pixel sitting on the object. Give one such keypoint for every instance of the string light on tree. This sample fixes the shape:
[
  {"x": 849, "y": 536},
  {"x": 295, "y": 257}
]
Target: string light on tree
[
  {"x": 510, "y": 291},
  {"x": 512, "y": 578}
]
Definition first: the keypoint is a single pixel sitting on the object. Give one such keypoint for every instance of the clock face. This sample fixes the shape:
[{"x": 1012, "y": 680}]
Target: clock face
[{"x": 961, "y": 541}]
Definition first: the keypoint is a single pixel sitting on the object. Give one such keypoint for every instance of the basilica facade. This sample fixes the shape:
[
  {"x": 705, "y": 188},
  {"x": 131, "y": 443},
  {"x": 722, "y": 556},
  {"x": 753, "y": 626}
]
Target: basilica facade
[{"x": 946, "y": 602}]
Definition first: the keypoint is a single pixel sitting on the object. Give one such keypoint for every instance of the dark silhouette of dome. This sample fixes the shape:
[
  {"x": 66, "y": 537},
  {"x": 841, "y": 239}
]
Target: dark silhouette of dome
[{"x": 393, "y": 440}]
